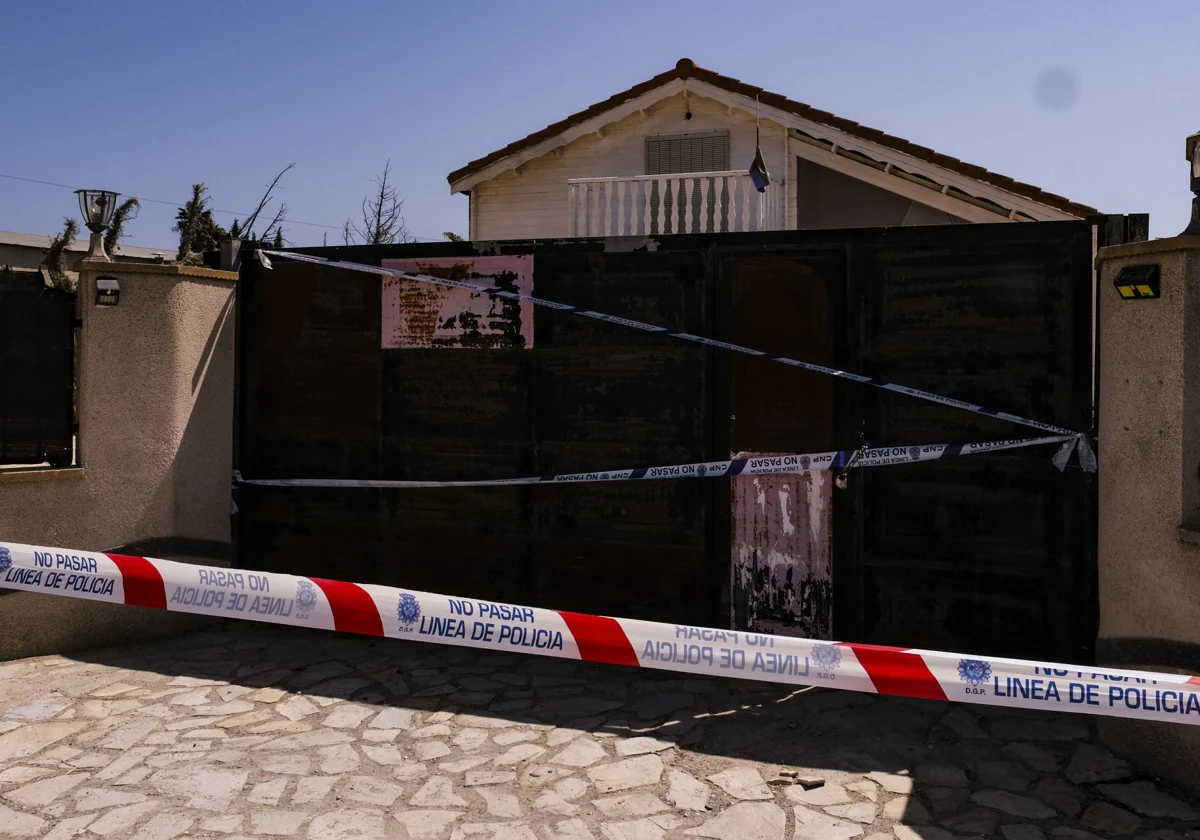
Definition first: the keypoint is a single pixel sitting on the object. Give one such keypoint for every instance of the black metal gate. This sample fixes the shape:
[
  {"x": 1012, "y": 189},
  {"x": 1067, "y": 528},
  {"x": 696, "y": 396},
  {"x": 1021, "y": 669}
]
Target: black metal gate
[
  {"x": 37, "y": 370},
  {"x": 340, "y": 376}
]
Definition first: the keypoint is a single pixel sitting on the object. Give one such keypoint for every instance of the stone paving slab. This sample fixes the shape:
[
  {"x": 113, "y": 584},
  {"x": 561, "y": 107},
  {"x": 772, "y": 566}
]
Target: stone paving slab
[{"x": 256, "y": 732}]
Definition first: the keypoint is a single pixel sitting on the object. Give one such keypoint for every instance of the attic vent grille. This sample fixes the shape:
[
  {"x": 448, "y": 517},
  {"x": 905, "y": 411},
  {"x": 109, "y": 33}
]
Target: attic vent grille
[{"x": 698, "y": 151}]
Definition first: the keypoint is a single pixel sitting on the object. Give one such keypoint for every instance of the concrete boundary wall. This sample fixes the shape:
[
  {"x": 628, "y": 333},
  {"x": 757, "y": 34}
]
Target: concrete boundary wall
[
  {"x": 1149, "y": 533},
  {"x": 156, "y": 439}
]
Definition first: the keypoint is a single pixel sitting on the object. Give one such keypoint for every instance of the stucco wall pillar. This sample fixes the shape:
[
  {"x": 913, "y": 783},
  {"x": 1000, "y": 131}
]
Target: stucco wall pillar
[
  {"x": 1149, "y": 532},
  {"x": 156, "y": 443}
]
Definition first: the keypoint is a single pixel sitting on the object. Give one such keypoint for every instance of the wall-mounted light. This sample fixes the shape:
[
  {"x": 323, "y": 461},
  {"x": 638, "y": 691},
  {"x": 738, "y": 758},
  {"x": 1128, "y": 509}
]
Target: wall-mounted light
[
  {"x": 97, "y": 207},
  {"x": 1138, "y": 282},
  {"x": 108, "y": 291}
]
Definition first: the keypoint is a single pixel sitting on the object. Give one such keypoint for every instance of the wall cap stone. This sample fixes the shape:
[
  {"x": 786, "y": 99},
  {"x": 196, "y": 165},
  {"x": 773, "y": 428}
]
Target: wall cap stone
[
  {"x": 21, "y": 476},
  {"x": 1168, "y": 245},
  {"x": 165, "y": 269}
]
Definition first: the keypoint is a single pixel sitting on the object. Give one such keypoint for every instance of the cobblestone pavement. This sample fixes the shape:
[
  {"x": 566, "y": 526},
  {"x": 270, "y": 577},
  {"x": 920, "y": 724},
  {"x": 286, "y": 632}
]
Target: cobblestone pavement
[{"x": 252, "y": 731}]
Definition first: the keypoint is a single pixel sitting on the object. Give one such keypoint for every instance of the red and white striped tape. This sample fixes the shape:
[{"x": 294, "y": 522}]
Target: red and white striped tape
[{"x": 472, "y": 622}]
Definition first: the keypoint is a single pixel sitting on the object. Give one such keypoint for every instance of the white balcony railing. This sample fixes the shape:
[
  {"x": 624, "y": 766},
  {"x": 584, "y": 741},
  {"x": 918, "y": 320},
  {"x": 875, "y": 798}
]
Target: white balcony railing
[{"x": 695, "y": 202}]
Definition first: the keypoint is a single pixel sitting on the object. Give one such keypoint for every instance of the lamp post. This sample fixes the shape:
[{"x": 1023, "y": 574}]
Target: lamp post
[
  {"x": 1193, "y": 156},
  {"x": 97, "y": 207}
]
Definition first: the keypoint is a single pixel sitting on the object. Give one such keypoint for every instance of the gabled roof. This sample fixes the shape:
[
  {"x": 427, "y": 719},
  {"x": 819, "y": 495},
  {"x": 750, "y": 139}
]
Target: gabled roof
[{"x": 686, "y": 69}]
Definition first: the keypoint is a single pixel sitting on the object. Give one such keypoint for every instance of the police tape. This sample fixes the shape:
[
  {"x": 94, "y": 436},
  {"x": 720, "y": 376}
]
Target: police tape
[
  {"x": 373, "y": 610},
  {"x": 759, "y": 465},
  {"x": 1078, "y": 441}
]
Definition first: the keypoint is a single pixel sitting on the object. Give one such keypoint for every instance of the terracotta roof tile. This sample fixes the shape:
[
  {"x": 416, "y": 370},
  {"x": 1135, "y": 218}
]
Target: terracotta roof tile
[{"x": 686, "y": 69}]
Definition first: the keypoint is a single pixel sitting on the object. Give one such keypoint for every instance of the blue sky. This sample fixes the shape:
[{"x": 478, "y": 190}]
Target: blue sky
[{"x": 148, "y": 97}]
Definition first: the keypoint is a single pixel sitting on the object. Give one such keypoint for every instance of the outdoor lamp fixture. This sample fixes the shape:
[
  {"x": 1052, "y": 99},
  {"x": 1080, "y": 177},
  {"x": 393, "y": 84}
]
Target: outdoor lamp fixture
[
  {"x": 97, "y": 207},
  {"x": 1193, "y": 156}
]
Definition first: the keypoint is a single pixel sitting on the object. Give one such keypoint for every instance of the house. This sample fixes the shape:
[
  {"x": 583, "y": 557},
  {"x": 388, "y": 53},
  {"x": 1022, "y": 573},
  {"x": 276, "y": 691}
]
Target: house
[
  {"x": 28, "y": 250},
  {"x": 670, "y": 155}
]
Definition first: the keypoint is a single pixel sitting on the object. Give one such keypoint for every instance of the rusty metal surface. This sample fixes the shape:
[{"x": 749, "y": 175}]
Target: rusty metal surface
[
  {"x": 420, "y": 315},
  {"x": 782, "y": 568}
]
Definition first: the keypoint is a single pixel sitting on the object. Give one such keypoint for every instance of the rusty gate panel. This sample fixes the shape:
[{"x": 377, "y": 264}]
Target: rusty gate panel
[
  {"x": 781, "y": 555},
  {"x": 422, "y": 316}
]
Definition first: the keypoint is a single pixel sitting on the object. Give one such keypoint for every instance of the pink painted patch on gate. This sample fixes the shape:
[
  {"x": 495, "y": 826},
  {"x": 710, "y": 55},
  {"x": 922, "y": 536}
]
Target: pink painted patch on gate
[
  {"x": 423, "y": 315},
  {"x": 782, "y": 554}
]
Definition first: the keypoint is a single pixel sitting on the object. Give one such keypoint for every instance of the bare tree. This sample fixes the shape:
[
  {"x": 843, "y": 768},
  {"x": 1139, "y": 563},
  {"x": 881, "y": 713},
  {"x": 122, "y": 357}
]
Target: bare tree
[
  {"x": 198, "y": 232},
  {"x": 382, "y": 219},
  {"x": 273, "y": 227}
]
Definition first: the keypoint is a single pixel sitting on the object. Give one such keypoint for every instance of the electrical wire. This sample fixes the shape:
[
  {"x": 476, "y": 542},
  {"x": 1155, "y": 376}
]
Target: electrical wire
[
  {"x": 177, "y": 205},
  {"x": 160, "y": 201}
]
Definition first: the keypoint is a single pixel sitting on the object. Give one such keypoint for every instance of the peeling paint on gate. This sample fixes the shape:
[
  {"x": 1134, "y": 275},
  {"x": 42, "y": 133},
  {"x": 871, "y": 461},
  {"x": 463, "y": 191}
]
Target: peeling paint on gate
[
  {"x": 421, "y": 315},
  {"x": 781, "y": 554}
]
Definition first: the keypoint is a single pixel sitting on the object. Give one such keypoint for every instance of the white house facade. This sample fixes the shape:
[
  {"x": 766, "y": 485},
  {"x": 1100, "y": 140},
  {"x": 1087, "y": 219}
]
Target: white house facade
[{"x": 672, "y": 155}]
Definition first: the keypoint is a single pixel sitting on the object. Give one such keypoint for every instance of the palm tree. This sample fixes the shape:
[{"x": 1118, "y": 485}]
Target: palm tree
[
  {"x": 126, "y": 212},
  {"x": 55, "y": 261},
  {"x": 198, "y": 231}
]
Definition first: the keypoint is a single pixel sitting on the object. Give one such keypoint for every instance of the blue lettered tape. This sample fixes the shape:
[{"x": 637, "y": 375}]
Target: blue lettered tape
[
  {"x": 1078, "y": 443},
  {"x": 758, "y": 465},
  {"x": 415, "y": 616}
]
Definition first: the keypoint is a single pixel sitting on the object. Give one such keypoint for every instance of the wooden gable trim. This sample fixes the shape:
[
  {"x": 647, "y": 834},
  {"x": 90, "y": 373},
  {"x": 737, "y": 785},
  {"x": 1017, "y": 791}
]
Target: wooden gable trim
[
  {"x": 838, "y": 142},
  {"x": 550, "y": 144},
  {"x": 929, "y": 195}
]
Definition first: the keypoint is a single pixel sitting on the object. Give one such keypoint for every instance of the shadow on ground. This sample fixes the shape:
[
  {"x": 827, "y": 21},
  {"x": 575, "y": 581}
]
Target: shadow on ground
[{"x": 942, "y": 770}]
